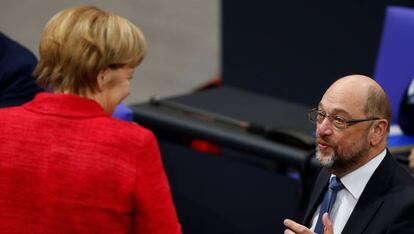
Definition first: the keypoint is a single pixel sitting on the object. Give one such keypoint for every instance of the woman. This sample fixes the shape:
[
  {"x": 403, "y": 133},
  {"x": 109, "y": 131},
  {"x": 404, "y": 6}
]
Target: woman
[{"x": 66, "y": 166}]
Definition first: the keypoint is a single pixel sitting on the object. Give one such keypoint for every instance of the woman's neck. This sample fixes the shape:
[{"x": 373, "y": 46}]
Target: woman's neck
[{"x": 96, "y": 96}]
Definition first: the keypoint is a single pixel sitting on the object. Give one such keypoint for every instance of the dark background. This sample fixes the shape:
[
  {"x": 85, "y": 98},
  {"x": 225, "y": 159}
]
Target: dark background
[{"x": 295, "y": 49}]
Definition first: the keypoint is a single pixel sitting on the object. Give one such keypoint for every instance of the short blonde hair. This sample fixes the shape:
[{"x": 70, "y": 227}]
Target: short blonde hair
[{"x": 77, "y": 43}]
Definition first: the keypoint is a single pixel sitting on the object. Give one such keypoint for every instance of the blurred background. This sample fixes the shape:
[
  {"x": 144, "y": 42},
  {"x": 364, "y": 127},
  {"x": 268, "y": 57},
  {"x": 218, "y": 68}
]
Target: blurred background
[{"x": 183, "y": 38}]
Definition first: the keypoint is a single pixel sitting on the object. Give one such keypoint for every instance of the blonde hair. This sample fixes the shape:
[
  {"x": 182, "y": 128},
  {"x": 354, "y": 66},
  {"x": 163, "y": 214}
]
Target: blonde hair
[{"x": 77, "y": 43}]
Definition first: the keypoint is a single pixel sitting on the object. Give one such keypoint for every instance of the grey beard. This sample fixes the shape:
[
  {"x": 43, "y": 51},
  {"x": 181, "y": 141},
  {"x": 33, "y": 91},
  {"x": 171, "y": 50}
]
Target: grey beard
[
  {"x": 336, "y": 162},
  {"x": 327, "y": 161}
]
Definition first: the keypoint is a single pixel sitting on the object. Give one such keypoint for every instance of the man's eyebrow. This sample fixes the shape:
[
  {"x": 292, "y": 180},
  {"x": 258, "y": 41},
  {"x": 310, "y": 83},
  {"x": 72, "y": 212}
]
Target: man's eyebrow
[{"x": 335, "y": 110}]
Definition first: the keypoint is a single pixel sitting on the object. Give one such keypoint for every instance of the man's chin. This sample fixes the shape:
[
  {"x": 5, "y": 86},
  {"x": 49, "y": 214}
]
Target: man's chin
[{"x": 327, "y": 160}]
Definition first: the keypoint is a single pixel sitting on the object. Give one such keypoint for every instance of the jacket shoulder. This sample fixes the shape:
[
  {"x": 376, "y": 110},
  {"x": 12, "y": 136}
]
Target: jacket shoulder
[{"x": 129, "y": 131}]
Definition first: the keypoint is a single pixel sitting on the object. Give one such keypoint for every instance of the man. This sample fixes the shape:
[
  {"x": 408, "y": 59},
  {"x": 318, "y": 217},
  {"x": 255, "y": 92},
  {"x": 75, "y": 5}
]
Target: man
[
  {"x": 17, "y": 84},
  {"x": 373, "y": 193}
]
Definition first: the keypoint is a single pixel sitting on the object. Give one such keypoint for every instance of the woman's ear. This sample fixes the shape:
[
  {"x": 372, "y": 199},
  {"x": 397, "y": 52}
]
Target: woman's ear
[{"x": 102, "y": 79}]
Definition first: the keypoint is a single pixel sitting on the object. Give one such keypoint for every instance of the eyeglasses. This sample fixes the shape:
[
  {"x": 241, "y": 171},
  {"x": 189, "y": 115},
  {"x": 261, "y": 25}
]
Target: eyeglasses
[{"x": 316, "y": 116}]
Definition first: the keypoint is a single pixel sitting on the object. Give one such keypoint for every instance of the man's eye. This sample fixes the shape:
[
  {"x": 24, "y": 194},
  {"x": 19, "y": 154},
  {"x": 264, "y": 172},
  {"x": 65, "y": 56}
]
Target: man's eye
[
  {"x": 339, "y": 119},
  {"x": 321, "y": 115}
]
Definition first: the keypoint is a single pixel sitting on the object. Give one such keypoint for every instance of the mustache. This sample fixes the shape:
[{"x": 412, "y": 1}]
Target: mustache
[{"x": 319, "y": 140}]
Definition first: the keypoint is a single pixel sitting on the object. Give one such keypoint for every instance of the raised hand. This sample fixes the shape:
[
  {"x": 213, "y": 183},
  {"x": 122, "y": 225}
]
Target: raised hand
[{"x": 293, "y": 227}]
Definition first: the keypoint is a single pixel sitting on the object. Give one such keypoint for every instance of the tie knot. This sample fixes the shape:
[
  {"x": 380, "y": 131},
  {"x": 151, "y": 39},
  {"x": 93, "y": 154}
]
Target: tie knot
[{"x": 335, "y": 184}]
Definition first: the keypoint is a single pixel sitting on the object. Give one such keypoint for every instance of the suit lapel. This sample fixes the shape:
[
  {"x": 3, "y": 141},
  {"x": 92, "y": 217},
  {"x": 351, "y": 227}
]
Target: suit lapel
[
  {"x": 317, "y": 195},
  {"x": 371, "y": 198}
]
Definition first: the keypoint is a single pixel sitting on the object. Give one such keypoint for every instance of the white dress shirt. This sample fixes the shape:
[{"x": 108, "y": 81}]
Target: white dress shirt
[{"x": 346, "y": 199}]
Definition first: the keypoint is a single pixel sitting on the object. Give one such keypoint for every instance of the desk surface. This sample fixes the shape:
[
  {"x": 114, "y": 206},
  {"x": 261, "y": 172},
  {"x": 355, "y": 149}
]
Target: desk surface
[
  {"x": 251, "y": 107},
  {"x": 233, "y": 103}
]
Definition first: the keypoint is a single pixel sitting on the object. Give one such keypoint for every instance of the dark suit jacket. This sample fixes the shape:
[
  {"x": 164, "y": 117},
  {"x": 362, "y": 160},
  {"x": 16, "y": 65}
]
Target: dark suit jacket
[
  {"x": 386, "y": 205},
  {"x": 17, "y": 85}
]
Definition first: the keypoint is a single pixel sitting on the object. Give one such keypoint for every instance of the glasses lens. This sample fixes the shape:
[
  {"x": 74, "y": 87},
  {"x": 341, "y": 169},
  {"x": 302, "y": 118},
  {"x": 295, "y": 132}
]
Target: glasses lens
[
  {"x": 313, "y": 114},
  {"x": 339, "y": 122}
]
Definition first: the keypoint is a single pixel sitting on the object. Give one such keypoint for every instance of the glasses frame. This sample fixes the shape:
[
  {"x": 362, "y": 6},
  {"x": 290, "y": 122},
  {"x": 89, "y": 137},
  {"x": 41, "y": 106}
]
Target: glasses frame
[{"x": 332, "y": 118}]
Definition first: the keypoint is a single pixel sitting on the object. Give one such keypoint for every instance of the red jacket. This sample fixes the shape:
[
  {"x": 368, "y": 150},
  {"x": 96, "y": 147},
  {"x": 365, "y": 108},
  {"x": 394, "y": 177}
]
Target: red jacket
[{"x": 67, "y": 167}]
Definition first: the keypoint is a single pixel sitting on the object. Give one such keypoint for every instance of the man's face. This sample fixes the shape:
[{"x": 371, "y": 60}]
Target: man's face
[{"x": 342, "y": 149}]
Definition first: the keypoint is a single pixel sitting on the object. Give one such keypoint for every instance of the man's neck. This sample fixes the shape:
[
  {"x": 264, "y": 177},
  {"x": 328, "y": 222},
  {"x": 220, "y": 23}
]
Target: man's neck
[{"x": 372, "y": 153}]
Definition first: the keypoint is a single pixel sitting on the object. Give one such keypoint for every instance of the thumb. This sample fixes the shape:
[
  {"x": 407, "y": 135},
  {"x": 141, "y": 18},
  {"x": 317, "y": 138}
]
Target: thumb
[{"x": 327, "y": 224}]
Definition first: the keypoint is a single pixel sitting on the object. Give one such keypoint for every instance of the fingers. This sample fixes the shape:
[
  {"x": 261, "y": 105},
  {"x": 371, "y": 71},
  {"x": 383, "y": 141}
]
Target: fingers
[
  {"x": 293, "y": 227},
  {"x": 411, "y": 165},
  {"x": 327, "y": 224},
  {"x": 411, "y": 159},
  {"x": 288, "y": 231}
]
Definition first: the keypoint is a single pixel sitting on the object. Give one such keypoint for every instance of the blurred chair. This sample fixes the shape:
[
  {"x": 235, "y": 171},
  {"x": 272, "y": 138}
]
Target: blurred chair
[
  {"x": 123, "y": 112},
  {"x": 395, "y": 69},
  {"x": 221, "y": 195}
]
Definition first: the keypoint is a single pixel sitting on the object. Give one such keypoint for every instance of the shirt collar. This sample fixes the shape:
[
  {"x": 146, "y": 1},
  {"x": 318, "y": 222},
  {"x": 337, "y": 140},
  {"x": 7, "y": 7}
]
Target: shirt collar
[
  {"x": 356, "y": 181},
  {"x": 65, "y": 105}
]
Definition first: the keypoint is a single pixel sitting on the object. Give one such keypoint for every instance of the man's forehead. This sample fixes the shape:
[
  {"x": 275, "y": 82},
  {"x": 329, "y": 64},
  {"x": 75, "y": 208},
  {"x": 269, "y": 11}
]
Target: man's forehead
[
  {"x": 332, "y": 108},
  {"x": 345, "y": 104},
  {"x": 347, "y": 95}
]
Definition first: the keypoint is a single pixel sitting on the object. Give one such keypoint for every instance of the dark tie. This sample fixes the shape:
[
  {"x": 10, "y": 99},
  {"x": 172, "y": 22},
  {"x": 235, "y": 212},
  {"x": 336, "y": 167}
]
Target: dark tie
[{"x": 334, "y": 186}]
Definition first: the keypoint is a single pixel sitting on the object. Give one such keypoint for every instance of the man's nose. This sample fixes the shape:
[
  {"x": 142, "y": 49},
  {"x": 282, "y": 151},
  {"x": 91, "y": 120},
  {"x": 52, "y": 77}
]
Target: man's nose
[{"x": 324, "y": 128}]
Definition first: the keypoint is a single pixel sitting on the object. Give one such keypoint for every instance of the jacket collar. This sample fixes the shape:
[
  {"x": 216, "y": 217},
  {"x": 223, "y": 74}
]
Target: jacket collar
[
  {"x": 66, "y": 105},
  {"x": 317, "y": 195},
  {"x": 370, "y": 197}
]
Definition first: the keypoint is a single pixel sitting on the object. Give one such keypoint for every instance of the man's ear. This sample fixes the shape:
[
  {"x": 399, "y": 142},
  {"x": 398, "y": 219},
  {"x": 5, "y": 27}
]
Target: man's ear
[{"x": 379, "y": 131}]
